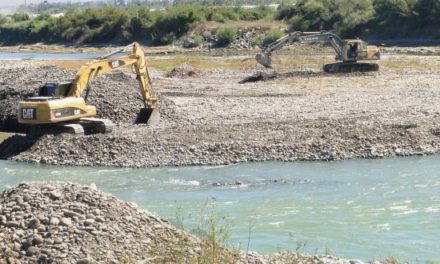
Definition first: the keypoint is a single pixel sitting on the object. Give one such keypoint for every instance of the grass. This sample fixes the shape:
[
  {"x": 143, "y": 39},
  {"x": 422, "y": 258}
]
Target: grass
[
  {"x": 214, "y": 247},
  {"x": 168, "y": 63},
  {"x": 401, "y": 62}
]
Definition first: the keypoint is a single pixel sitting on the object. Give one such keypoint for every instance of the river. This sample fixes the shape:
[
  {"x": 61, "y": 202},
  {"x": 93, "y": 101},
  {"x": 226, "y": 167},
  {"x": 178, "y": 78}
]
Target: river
[
  {"x": 4, "y": 55},
  {"x": 366, "y": 209}
]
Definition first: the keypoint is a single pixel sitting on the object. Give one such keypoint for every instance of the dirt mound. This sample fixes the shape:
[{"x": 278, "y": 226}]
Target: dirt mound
[
  {"x": 116, "y": 97},
  {"x": 260, "y": 76},
  {"x": 15, "y": 84},
  {"x": 9, "y": 98},
  {"x": 184, "y": 70}
]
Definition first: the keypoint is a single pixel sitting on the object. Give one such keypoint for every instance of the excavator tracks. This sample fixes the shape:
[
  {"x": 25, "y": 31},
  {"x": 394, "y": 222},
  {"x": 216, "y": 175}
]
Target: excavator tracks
[
  {"x": 97, "y": 125},
  {"x": 346, "y": 67},
  {"x": 85, "y": 126}
]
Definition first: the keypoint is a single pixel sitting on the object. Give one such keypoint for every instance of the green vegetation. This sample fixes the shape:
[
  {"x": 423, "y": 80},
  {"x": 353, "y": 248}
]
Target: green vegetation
[
  {"x": 374, "y": 18},
  {"x": 119, "y": 25},
  {"x": 385, "y": 19},
  {"x": 272, "y": 35},
  {"x": 226, "y": 35}
]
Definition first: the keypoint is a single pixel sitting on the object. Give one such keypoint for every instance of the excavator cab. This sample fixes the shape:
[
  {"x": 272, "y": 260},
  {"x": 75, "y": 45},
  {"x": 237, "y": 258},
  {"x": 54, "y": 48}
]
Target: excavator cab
[
  {"x": 356, "y": 49},
  {"x": 56, "y": 90},
  {"x": 352, "y": 52}
]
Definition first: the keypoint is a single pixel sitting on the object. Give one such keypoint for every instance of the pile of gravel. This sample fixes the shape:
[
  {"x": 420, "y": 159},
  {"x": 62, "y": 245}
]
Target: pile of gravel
[
  {"x": 68, "y": 223},
  {"x": 9, "y": 98},
  {"x": 228, "y": 144},
  {"x": 17, "y": 83}
]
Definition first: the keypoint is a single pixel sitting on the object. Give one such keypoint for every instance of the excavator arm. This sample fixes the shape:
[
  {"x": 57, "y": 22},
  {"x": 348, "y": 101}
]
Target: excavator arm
[
  {"x": 324, "y": 37},
  {"x": 264, "y": 58},
  {"x": 111, "y": 61}
]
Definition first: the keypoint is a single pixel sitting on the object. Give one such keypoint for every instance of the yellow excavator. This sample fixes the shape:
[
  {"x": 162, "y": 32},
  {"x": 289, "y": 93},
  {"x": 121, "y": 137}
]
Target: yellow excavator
[
  {"x": 348, "y": 52},
  {"x": 60, "y": 107}
]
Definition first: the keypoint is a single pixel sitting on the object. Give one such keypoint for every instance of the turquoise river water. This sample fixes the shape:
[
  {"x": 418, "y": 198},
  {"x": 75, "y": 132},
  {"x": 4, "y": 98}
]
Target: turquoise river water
[{"x": 365, "y": 209}]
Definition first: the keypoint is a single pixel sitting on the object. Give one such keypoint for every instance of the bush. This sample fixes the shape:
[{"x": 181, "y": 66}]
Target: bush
[
  {"x": 251, "y": 14},
  {"x": 272, "y": 35},
  {"x": 285, "y": 11},
  {"x": 348, "y": 18},
  {"x": 174, "y": 23},
  {"x": 18, "y": 17},
  {"x": 221, "y": 14},
  {"x": 342, "y": 16},
  {"x": 256, "y": 40},
  {"x": 218, "y": 17},
  {"x": 226, "y": 36},
  {"x": 198, "y": 40}
]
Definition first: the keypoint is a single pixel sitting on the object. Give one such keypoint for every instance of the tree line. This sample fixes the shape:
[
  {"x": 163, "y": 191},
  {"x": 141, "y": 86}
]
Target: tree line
[
  {"x": 119, "y": 25},
  {"x": 386, "y": 19}
]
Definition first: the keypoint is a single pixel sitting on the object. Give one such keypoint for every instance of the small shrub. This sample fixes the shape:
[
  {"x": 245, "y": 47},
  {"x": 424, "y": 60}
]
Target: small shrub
[
  {"x": 285, "y": 11},
  {"x": 218, "y": 17},
  {"x": 167, "y": 39},
  {"x": 256, "y": 40},
  {"x": 272, "y": 35},
  {"x": 198, "y": 40},
  {"x": 226, "y": 36},
  {"x": 18, "y": 17}
]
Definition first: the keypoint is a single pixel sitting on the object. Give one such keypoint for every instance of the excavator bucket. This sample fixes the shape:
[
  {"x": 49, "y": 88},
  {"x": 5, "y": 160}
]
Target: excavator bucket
[
  {"x": 264, "y": 59},
  {"x": 149, "y": 116}
]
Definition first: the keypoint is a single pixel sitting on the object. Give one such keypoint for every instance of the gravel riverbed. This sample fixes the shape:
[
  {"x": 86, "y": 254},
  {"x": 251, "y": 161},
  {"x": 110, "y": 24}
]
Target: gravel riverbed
[{"x": 210, "y": 118}]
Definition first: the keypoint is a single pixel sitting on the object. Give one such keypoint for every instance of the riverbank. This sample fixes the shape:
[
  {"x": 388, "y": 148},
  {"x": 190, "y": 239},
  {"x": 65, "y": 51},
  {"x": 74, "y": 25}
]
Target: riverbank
[
  {"x": 302, "y": 114},
  {"x": 386, "y": 199},
  {"x": 416, "y": 48},
  {"x": 53, "y": 222}
]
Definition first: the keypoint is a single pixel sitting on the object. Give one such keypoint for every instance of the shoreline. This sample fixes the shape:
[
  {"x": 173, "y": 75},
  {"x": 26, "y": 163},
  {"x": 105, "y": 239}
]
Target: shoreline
[
  {"x": 301, "y": 145},
  {"x": 429, "y": 50},
  {"x": 40, "y": 220}
]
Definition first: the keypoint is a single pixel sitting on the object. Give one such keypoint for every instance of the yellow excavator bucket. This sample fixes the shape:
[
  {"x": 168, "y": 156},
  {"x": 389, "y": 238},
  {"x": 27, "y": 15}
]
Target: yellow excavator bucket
[
  {"x": 264, "y": 59},
  {"x": 149, "y": 116}
]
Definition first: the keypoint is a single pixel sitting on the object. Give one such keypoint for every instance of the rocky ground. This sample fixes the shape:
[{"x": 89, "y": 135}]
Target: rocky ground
[
  {"x": 209, "y": 118},
  {"x": 68, "y": 223}
]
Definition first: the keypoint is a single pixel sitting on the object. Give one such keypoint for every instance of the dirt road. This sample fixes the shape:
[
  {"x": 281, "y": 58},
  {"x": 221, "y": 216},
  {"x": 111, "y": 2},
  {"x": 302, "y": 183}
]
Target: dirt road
[{"x": 210, "y": 118}]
